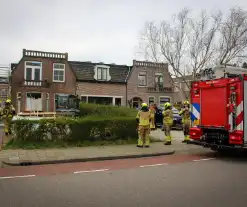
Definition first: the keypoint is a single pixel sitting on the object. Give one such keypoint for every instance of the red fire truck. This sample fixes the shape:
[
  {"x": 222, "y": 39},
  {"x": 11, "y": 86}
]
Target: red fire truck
[{"x": 219, "y": 111}]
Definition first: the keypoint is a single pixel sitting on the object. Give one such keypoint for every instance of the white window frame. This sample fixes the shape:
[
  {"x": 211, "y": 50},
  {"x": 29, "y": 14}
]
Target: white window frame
[
  {"x": 33, "y": 92},
  {"x": 33, "y": 69},
  {"x": 100, "y": 71},
  {"x": 151, "y": 97},
  {"x": 159, "y": 74},
  {"x": 104, "y": 96},
  {"x": 146, "y": 79},
  {"x": 164, "y": 97},
  {"x": 108, "y": 77},
  {"x": 56, "y": 69}
]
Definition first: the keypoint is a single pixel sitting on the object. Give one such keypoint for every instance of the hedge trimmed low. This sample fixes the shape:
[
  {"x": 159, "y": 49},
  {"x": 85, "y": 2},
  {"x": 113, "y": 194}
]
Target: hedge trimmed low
[
  {"x": 88, "y": 109},
  {"x": 75, "y": 130}
]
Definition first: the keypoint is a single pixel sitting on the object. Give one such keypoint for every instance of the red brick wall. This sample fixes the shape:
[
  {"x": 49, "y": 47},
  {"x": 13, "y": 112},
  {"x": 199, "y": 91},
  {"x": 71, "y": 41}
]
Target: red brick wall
[
  {"x": 142, "y": 92},
  {"x": 101, "y": 89},
  {"x": 69, "y": 86}
]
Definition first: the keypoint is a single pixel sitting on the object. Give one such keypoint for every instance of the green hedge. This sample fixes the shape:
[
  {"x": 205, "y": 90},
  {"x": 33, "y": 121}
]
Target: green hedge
[
  {"x": 106, "y": 110},
  {"x": 75, "y": 130}
]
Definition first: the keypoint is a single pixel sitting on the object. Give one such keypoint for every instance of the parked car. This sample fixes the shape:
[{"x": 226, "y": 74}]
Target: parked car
[{"x": 177, "y": 119}]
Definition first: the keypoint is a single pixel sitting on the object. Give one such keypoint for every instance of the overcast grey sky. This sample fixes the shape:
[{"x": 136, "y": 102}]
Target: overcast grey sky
[{"x": 89, "y": 30}]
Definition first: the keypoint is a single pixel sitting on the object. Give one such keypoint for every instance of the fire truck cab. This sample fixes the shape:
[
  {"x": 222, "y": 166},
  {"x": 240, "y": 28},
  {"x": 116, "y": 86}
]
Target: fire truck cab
[{"x": 219, "y": 110}]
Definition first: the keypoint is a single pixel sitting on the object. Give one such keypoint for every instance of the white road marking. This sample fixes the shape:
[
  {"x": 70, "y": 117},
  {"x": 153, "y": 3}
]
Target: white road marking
[
  {"x": 89, "y": 171},
  {"x": 21, "y": 176},
  {"x": 206, "y": 159},
  {"x": 154, "y": 165}
]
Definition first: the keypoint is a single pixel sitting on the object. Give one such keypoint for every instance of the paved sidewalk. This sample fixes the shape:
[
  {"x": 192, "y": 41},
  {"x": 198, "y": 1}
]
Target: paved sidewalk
[{"x": 48, "y": 156}]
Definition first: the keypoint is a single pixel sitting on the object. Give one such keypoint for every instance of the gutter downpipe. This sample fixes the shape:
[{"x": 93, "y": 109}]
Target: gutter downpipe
[{"x": 126, "y": 81}]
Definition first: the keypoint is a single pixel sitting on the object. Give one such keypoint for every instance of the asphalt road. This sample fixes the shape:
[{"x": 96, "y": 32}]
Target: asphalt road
[{"x": 220, "y": 181}]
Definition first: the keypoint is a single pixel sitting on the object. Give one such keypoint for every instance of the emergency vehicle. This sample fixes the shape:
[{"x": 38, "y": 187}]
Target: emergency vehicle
[{"x": 219, "y": 109}]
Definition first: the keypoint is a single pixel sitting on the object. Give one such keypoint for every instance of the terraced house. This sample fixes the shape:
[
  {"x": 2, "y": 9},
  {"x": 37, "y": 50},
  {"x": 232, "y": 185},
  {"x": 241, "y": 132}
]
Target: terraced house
[
  {"x": 101, "y": 83},
  {"x": 41, "y": 81},
  {"x": 149, "y": 82}
]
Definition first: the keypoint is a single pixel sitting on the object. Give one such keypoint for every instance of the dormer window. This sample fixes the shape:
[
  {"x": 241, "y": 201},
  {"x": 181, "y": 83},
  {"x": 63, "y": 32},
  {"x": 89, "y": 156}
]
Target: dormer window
[{"x": 101, "y": 73}]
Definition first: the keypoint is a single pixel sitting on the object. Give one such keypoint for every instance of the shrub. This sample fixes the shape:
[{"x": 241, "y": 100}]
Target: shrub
[
  {"x": 89, "y": 128},
  {"x": 106, "y": 110}
]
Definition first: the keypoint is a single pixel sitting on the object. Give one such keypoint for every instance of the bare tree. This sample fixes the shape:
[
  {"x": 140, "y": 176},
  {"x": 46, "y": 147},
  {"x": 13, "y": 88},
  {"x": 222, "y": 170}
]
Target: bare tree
[
  {"x": 190, "y": 44},
  {"x": 149, "y": 42},
  {"x": 233, "y": 36},
  {"x": 202, "y": 40},
  {"x": 167, "y": 41}
]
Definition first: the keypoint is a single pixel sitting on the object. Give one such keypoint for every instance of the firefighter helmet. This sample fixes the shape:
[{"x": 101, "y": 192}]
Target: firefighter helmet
[
  {"x": 8, "y": 101},
  {"x": 186, "y": 102},
  {"x": 144, "y": 105},
  {"x": 167, "y": 104}
]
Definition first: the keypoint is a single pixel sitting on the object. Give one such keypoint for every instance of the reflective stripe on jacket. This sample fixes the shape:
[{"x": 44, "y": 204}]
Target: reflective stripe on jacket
[{"x": 8, "y": 112}]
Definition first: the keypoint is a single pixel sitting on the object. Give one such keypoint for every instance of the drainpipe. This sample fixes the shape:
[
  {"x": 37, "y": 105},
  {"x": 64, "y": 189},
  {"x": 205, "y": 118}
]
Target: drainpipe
[{"x": 126, "y": 81}]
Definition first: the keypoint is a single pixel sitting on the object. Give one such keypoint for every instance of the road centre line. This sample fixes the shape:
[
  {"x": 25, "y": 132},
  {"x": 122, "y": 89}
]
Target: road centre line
[
  {"x": 160, "y": 164},
  {"x": 21, "y": 176},
  {"x": 205, "y": 159},
  {"x": 89, "y": 171}
]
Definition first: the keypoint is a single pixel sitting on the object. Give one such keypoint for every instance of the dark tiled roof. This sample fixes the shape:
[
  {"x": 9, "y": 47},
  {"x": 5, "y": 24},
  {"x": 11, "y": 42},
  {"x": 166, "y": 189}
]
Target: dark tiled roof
[{"x": 85, "y": 71}]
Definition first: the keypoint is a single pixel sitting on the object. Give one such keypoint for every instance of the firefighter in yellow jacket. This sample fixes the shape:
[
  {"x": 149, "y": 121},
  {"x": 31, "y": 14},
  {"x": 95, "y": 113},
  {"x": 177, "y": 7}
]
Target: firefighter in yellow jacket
[
  {"x": 7, "y": 114},
  {"x": 185, "y": 113},
  {"x": 168, "y": 121},
  {"x": 143, "y": 118},
  {"x": 152, "y": 122}
]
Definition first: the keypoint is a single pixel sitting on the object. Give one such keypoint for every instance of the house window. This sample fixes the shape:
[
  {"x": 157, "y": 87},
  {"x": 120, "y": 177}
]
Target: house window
[
  {"x": 102, "y": 73},
  {"x": 100, "y": 100},
  {"x": 61, "y": 101},
  {"x": 118, "y": 101},
  {"x": 33, "y": 71},
  {"x": 163, "y": 100},
  {"x": 150, "y": 100},
  {"x": 58, "y": 72},
  {"x": 33, "y": 101},
  {"x": 66, "y": 101},
  {"x": 159, "y": 80},
  {"x": 142, "y": 79}
]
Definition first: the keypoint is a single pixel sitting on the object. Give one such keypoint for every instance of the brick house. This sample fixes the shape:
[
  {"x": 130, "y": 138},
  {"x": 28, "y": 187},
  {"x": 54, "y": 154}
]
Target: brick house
[
  {"x": 101, "y": 83},
  {"x": 41, "y": 80},
  {"x": 149, "y": 82}
]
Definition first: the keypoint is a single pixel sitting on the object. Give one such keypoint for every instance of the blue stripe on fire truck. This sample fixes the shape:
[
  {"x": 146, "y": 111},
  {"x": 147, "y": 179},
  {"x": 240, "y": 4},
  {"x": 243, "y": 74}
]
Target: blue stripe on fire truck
[{"x": 195, "y": 112}]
